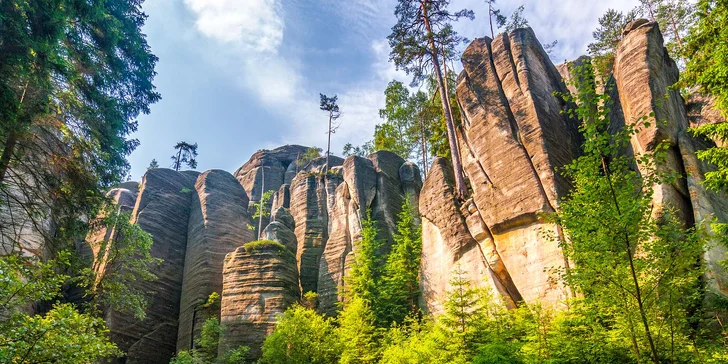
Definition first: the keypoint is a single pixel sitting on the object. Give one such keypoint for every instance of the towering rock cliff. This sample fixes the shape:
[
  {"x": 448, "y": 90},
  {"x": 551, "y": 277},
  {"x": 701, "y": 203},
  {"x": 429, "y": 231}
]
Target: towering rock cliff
[
  {"x": 217, "y": 225},
  {"x": 513, "y": 140}
]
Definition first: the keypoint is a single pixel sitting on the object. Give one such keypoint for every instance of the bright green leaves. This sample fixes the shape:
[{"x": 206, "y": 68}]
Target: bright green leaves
[
  {"x": 302, "y": 336},
  {"x": 62, "y": 335}
]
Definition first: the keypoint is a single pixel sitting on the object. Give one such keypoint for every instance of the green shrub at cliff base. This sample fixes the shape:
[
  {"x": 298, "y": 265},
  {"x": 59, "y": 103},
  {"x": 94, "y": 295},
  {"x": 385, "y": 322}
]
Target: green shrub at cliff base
[
  {"x": 206, "y": 351},
  {"x": 60, "y": 335},
  {"x": 301, "y": 336},
  {"x": 130, "y": 253}
]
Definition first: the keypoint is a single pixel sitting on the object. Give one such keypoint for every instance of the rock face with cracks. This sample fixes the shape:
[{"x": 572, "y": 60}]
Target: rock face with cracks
[{"x": 513, "y": 140}]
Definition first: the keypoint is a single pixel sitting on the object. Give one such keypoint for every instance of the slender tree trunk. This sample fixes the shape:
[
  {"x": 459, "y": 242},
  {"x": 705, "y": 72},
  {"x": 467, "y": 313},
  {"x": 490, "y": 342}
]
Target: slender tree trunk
[
  {"x": 177, "y": 162},
  {"x": 633, "y": 271},
  {"x": 460, "y": 190},
  {"x": 652, "y": 14},
  {"x": 490, "y": 19},
  {"x": 328, "y": 147},
  {"x": 261, "y": 207},
  {"x": 677, "y": 34},
  {"x": 12, "y": 141},
  {"x": 424, "y": 149}
]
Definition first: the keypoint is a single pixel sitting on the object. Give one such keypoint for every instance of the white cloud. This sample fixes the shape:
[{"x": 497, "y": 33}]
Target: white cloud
[{"x": 256, "y": 25}]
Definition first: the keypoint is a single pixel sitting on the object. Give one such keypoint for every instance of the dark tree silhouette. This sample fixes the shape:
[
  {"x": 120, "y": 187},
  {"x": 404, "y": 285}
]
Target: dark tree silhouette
[
  {"x": 185, "y": 154},
  {"x": 329, "y": 104}
]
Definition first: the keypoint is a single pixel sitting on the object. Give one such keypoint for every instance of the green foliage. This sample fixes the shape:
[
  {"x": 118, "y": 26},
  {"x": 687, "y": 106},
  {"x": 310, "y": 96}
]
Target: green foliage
[
  {"x": 357, "y": 332},
  {"x": 417, "y": 26},
  {"x": 301, "y": 336},
  {"x": 606, "y": 38},
  {"x": 495, "y": 16},
  {"x": 707, "y": 67},
  {"x": 61, "y": 335},
  {"x": 636, "y": 266},
  {"x": 400, "y": 288},
  {"x": 153, "y": 164},
  {"x": 308, "y": 156},
  {"x": 76, "y": 73},
  {"x": 517, "y": 20},
  {"x": 366, "y": 268},
  {"x": 675, "y": 18},
  {"x": 128, "y": 257},
  {"x": 258, "y": 245},
  {"x": 359, "y": 150},
  {"x": 261, "y": 207},
  {"x": 707, "y": 52},
  {"x": 186, "y": 154},
  {"x": 395, "y": 134},
  {"x": 206, "y": 351}
]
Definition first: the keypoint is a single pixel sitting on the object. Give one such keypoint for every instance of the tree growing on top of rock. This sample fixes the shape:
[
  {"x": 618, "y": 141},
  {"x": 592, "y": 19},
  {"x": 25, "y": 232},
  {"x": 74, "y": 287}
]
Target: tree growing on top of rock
[
  {"x": 517, "y": 20},
  {"x": 395, "y": 135},
  {"x": 495, "y": 15},
  {"x": 153, "y": 164},
  {"x": 330, "y": 105},
  {"x": 606, "y": 39},
  {"x": 309, "y": 155},
  {"x": 675, "y": 18},
  {"x": 185, "y": 154},
  {"x": 423, "y": 32}
]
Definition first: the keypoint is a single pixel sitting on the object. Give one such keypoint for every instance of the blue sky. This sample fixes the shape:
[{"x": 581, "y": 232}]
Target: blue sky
[{"x": 241, "y": 75}]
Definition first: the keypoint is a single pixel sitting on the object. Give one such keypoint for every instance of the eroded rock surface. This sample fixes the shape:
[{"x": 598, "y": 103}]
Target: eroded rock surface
[
  {"x": 162, "y": 209},
  {"x": 217, "y": 226},
  {"x": 260, "y": 281},
  {"x": 513, "y": 139}
]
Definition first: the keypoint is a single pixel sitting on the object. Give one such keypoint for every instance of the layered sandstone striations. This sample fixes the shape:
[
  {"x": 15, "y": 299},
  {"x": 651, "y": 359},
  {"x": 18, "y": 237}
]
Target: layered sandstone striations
[
  {"x": 218, "y": 224},
  {"x": 162, "y": 209},
  {"x": 513, "y": 139},
  {"x": 260, "y": 281}
]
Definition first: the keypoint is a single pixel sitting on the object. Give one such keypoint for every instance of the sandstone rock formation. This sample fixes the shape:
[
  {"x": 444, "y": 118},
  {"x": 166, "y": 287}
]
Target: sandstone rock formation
[
  {"x": 644, "y": 73},
  {"x": 218, "y": 224},
  {"x": 260, "y": 281},
  {"x": 162, "y": 209},
  {"x": 513, "y": 139}
]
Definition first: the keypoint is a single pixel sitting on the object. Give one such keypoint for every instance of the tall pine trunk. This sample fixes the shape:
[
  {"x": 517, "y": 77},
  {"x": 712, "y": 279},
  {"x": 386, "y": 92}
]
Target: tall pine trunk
[
  {"x": 460, "y": 190},
  {"x": 328, "y": 146}
]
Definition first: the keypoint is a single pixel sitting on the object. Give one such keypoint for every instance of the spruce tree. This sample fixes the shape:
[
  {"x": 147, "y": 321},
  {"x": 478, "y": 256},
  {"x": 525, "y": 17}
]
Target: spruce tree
[{"x": 401, "y": 276}]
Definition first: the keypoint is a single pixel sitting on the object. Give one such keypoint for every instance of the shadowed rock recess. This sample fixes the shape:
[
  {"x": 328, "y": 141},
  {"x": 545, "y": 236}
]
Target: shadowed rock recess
[{"x": 513, "y": 139}]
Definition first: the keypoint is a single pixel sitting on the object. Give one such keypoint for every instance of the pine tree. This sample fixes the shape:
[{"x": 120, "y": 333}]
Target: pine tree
[
  {"x": 330, "y": 105},
  {"x": 401, "y": 281},
  {"x": 153, "y": 164},
  {"x": 606, "y": 39},
  {"x": 517, "y": 20},
  {"x": 422, "y": 33},
  {"x": 185, "y": 154},
  {"x": 494, "y": 15}
]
